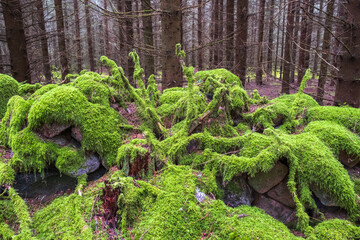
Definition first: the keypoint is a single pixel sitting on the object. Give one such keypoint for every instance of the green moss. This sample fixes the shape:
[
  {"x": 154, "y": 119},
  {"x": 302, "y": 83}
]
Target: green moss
[
  {"x": 346, "y": 116},
  {"x": 7, "y": 174},
  {"x": 5, "y": 231},
  {"x": 281, "y": 111},
  {"x": 95, "y": 91},
  {"x": 335, "y": 229},
  {"x": 171, "y": 210},
  {"x": 65, "y": 218},
  {"x": 337, "y": 137},
  {"x": 8, "y": 88},
  {"x": 153, "y": 91},
  {"x": 61, "y": 105},
  {"x": 28, "y": 89},
  {"x": 15, "y": 119}
]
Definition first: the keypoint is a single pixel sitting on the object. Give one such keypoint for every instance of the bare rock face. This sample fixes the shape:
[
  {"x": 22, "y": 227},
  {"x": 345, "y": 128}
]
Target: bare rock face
[
  {"x": 53, "y": 129},
  {"x": 264, "y": 181},
  {"x": 323, "y": 196},
  {"x": 282, "y": 194},
  {"x": 348, "y": 160},
  {"x": 275, "y": 209},
  {"x": 91, "y": 164},
  {"x": 237, "y": 193},
  {"x": 76, "y": 133}
]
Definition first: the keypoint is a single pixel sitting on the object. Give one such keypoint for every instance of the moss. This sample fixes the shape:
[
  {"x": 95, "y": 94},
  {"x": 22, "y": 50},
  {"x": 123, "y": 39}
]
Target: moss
[
  {"x": 8, "y": 88},
  {"x": 7, "y": 174},
  {"x": 171, "y": 210},
  {"x": 61, "y": 105},
  {"x": 281, "y": 111},
  {"x": 65, "y": 218},
  {"x": 92, "y": 88},
  {"x": 335, "y": 229},
  {"x": 15, "y": 119},
  {"x": 22, "y": 214},
  {"x": 153, "y": 91},
  {"x": 5, "y": 231},
  {"x": 337, "y": 137},
  {"x": 28, "y": 89},
  {"x": 346, "y": 116},
  {"x": 220, "y": 75}
]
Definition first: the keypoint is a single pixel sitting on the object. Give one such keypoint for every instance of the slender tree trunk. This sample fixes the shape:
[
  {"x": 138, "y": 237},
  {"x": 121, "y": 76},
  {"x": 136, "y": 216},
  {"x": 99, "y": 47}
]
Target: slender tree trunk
[
  {"x": 89, "y": 36},
  {"x": 259, "y": 69},
  {"x": 305, "y": 41},
  {"x": 218, "y": 32},
  {"x": 285, "y": 87},
  {"x": 325, "y": 53},
  {"x": 129, "y": 40},
  {"x": 171, "y": 35},
  {"x": 342, "y": 14},
  {"x": 61, "y": 38},
  {"x": 294, "y": 44},
  {"x": 44, "y": 45},
  {"x": 200, "y": 38},
  {"x": 318, "y": 36},
  {"x": 148, "y": 39},
  {"x": 241, "y": 39},
  {"x": 348, "y": 87},
  {"x": 212, "y": 32},
  {"x": 123, "y": 54},
  {"x": 16, "y": 40},
  {"x": 282, "y": 63},
  {"x": 77, "y": 36},
  {"x": 229, "y": 51},
  {"x": 277, "y": 44},
  {"x": 270, "y": 40}
]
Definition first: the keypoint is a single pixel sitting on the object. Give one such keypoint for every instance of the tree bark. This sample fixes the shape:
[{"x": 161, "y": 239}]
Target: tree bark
[
  {"x": 229, "y": 45},
  {"x": 61, "y": 38},
  {"x": 285, "y": 86},
  {"x": 148, "y": 39},
  {"x": 259, "y": 69},
  {"x": 305, "y": 41},
  {"x": 171, "y": 35},
  {"x": 89, "y": 36},
  {"x": 200, "y": 38},
  {"x": 325, "y": 53},
  {"x": 43, "y": 39},
  {"x": 348, "y": 87},
  {"x": 294, "y": 42},
  {"x": 129, "y": 41},
  {"x": 270, "y": 39},
  {"x": 77, "y": 36},
  {"x": 241, "y": 39},
  {"x": 16, "y": 40},
  {"x": 218, "y": 32}
]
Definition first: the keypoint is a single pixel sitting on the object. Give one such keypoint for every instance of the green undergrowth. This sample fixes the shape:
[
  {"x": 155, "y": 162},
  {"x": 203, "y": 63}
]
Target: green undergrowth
[
  {"x": 8, "y": 88},
  {"x": 211, "y": 128},
  {"x": 335, "y": 229},
  {"x": 166, "y": 208}
]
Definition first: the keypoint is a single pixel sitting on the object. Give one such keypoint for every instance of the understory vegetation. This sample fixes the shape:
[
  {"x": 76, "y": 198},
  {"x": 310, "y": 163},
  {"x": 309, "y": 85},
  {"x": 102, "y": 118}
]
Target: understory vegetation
[{"x": 168, "y": 168}]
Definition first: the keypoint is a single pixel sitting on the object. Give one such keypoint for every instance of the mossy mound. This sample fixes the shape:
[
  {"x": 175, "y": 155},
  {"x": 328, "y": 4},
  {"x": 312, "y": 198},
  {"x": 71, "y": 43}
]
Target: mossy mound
[
  {"x": 8, "y": 88},
  {"x": 335, "y": 229}
]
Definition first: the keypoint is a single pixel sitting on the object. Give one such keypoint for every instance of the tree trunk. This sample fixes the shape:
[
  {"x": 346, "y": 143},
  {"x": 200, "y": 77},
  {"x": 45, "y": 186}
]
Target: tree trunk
[
  {"x": 218, "y": 32},
  {"x": 61, "y": 38},
  {"x": 277, "y": 44},
  {"x": 294, "y": 44},
  {"x": 171, "y": 35},
  {"x": 259, "y": 69},
  {"x": 129, "y": 41},
  {"x": 16, "y": 40},
  {"x": 318, "y": 36},
  {"x": 148, "y": 39},
  {"x": 241, "y": 38},
  {"x": 89, "y": 36},
  {"x": 285, "y": 86},
  {"x": 229, "y": 45},
  {"x": 199, "y": 33},
  {"x": 305, "y": 41},
  {"x": 348, "y": 87},
  {"x": 270, "y": 39},
  {"x": 77, "y": 36},
  {"x": 325, "y": 53},
  {"x": 44, "y": 45}
]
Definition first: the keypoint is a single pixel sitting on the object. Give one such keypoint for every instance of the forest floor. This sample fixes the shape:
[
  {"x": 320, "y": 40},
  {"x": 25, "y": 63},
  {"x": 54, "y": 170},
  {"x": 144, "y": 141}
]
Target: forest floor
[{"x": 272, "y": 89}]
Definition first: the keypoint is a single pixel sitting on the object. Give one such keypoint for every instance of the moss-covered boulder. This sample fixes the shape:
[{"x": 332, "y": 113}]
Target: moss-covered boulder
[{"x": 8, "y": 88}]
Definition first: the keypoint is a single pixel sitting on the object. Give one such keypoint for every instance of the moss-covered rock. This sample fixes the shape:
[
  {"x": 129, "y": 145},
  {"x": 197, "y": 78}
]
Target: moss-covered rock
[
  {"x": 8, "y": 88},
  {"x": 335, "y": 229}
]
